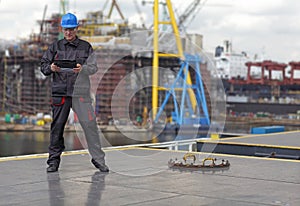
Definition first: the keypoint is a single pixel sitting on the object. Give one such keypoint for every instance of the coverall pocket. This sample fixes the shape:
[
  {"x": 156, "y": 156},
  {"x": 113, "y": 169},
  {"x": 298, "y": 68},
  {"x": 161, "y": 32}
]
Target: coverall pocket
[
  {"x": 59, "y": 89},
  {"x": 85, "y": 99},
  {"x": 58, "y": 101}
]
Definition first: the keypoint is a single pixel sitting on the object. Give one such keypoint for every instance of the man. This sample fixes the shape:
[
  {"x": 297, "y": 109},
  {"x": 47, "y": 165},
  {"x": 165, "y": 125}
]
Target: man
[{"x": 71, "y": 89}]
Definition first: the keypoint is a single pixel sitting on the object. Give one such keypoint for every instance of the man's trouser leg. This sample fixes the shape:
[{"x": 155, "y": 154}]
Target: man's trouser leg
[
  {"x": 86, "y": 115},
  {"x": 60, "y": 113}
]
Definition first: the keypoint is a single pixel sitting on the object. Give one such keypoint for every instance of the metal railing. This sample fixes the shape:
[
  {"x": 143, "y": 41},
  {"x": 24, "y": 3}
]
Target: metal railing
[{"x": 171, "y": 145}]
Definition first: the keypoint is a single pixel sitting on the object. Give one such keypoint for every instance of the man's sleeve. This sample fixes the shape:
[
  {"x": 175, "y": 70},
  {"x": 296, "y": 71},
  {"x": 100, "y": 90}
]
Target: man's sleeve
[
  {"x": 47, "y": 60},
  {"x": 90, "y": 65}
]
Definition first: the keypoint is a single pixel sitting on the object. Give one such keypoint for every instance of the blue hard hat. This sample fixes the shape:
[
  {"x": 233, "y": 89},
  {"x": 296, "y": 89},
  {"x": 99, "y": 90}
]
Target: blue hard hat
[{"x": 69, "y": 21}]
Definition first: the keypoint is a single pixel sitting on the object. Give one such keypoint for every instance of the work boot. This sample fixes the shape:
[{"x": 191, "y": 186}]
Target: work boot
[
  {"x": 102, "y": 167},
  {"x": 52, "y": 168}
]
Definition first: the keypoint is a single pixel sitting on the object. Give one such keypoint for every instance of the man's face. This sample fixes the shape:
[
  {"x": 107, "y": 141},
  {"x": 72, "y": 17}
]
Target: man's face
[{"x": 70, "y": 33}]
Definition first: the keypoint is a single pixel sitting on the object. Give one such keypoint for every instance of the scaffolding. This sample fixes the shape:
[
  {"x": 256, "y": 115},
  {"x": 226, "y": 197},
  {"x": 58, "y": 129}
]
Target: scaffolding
[{"x": 24, "y": 90}]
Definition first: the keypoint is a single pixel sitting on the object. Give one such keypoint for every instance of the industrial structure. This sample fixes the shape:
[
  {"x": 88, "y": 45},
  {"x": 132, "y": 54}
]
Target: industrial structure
[
  {"x": 25, "y": 91},
  {"x": 191, "y": 104},
  {"x": 124, "y": 50}
]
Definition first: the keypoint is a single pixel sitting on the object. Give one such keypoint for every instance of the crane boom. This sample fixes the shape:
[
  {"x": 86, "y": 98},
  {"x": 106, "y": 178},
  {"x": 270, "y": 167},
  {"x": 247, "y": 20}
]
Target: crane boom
[
  {"x": 64, "y": 6},
  {"x": 188, "y": 12},
  {"x": 115, "y": 4},
  {"x": 42, "y": 23},
  {"x": 140, "y": 13}
]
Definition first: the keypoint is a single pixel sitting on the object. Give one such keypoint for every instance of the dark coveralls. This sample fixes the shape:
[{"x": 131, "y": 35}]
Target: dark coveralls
[{"x": 71, "y": 90}]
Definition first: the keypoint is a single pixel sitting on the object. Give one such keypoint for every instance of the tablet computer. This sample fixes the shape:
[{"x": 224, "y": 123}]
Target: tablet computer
[{"x": 65, "y": 63}]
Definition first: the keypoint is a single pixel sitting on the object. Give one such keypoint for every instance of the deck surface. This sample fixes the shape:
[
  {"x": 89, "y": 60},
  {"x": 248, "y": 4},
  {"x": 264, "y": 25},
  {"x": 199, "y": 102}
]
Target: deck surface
[{"x": 141, "y": 176}]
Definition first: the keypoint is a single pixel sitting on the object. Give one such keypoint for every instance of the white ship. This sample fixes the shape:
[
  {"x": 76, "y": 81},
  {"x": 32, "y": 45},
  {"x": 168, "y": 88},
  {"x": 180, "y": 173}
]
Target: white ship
[{"x": 230, "y": 64}]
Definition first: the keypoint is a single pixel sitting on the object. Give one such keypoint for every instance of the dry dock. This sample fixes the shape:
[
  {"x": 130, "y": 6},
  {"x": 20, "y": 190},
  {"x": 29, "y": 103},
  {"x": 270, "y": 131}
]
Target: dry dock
[{"x": 140, "y": 176}]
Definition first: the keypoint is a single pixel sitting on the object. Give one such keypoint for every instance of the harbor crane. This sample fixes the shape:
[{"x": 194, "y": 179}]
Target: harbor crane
[
  {"x": 42, "y": 23},
  {"x": 113, "y": 5},
  {"x": 190, "y": 10},
  {"x": 192, "y": 94},
  {"x": 64, "y": 6}
]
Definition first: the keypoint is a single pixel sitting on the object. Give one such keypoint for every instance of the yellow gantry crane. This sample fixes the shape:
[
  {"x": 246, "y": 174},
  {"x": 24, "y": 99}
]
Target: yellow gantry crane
[{"x": 157, "y": 54}]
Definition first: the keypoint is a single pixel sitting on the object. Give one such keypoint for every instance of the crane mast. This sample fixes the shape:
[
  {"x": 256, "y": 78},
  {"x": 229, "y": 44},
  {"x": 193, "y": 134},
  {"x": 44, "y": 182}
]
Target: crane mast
[
  {"x": 156, "y": 54},
  {"x": 192, "y": 94}
]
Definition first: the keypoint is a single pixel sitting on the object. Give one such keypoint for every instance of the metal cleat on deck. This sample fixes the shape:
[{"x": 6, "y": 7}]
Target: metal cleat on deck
[{"x": 189, "y": 162}]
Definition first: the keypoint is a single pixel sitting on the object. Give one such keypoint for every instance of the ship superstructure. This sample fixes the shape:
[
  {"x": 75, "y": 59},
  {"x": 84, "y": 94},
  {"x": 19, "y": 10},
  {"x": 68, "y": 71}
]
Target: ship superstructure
[
  {"x": 230, "y": 64},
  {"x": 257, "y": 86}
]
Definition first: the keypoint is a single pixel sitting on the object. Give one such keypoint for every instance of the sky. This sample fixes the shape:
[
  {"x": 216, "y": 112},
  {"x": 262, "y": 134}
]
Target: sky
[{"x": 267, "y": 28}]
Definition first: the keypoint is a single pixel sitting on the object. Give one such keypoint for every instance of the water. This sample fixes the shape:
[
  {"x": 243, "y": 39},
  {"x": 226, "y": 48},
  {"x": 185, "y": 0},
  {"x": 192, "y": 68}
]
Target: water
[
  {"x": 14, "y": 143},
  {"x": 24, "y": 143}
]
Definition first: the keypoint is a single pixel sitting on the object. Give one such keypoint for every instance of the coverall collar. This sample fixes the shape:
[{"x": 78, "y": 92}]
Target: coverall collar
[{"x": 75, "y": 42}]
